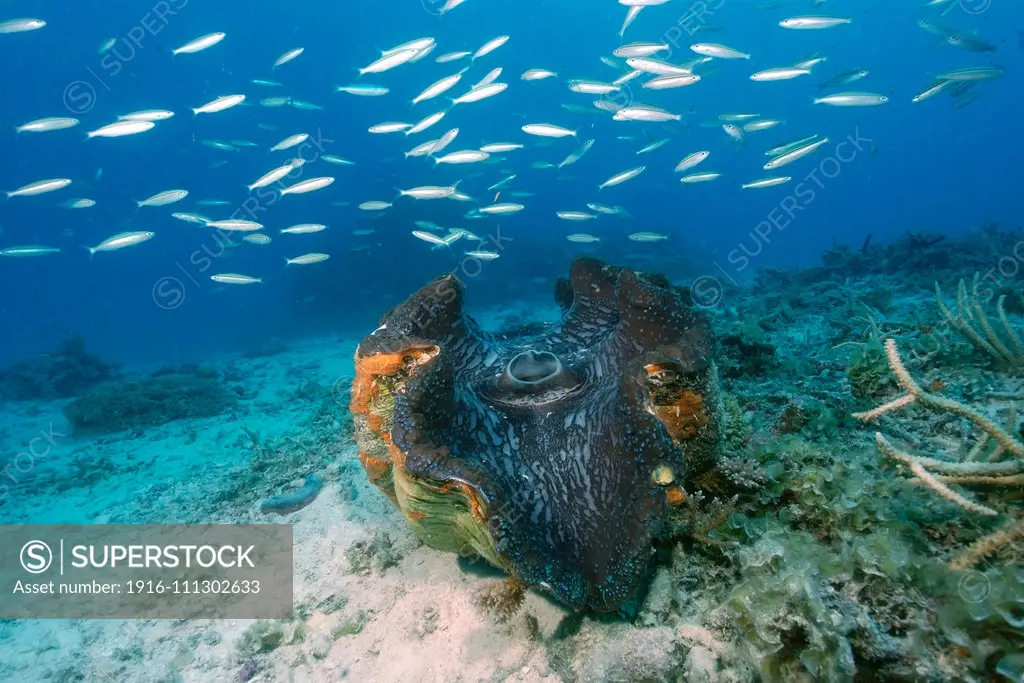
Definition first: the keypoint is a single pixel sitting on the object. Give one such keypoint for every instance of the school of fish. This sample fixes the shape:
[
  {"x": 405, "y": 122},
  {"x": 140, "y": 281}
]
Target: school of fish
[{"x": 449, "y": 93}]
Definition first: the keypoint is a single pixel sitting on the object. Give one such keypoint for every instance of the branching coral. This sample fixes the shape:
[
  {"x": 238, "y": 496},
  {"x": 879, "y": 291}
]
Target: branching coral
[
  {"x": 977, "y": 468},
  {"x": 969, "y": 313}
]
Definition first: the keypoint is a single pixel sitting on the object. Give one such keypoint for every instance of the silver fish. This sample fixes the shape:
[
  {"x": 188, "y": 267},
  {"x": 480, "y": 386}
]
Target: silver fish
[
  {"x": 578, "y": 154},
  {"x": 639, "y": 49},
  {"x": 238, "y": 224},
  {"x": 811, "y": 23},
  {"x": 199, "y": 44},
  {"x": 622, "y": 177},
  {"x": 481, "y": 92},
  {"x": 489, "y": 47},
  {"x": 766, "y": 182},
  {"x": 47, "y": 124},
  {"x": 164, "y": 198},
  {"x": 852, "y": 99},
  {"x": 428, "y": 192},
  {"x": 122, "y": 240},
  {"x": 308, "y": 185},
  {"x": 290, "y": 141},
  {"x": 120, "y": 129},
  {"x": 437, "y": 88},
  {"x": 793, "y": 155},
  {"x": 781, "y": 73},
  {"x": 692, "y": 160},
  {"x": 426, "y": 123},
  {"x": 718, "y": 51},
  {"x": 501, "y": 209},
  {"x": 575, "y": 215},
  {"x": 644, "y": 113},
  {"x": 40, "y": 187},
  {"x": 304, "y": 229},
  {"x": 288, "y": 56},
  {"x": 466, "y": 156},
  {"x": 21, "y": 25},
  {"x": 306, "y": 259},
  {"x": 219, "y": 104},
  {"x": 389, "y": 61},
  {"x": 235, "y": 279},
  {"x": 29, "y": 250},
  {"x": 547, "y": 130},
  {"x": 272, "y": 176}
]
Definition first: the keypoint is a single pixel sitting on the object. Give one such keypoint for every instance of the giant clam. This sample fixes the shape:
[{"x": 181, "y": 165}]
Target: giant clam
[{"x": 556, "y": 452}]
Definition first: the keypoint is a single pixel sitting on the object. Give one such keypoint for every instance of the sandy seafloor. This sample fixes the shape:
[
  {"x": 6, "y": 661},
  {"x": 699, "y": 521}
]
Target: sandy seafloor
[{"x": 403, "y": 612}]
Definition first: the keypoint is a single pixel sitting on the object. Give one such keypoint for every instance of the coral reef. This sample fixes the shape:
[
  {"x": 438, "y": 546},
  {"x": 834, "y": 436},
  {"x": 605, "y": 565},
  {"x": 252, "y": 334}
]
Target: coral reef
[
  {"x": 919, "y": 256},
  {"x": 557, "y": 453},
  {"x": 171, "y": 393},
  {"x": 811, "y": 551},
  {"x": 65, "y": 372}
]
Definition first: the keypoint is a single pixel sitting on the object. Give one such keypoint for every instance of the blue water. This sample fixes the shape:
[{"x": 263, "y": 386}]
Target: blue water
[{"x": 929, "y": 166}]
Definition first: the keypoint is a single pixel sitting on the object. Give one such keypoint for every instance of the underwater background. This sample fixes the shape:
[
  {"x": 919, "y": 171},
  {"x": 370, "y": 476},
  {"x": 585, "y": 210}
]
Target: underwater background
[{"x": 818, "y": 555}]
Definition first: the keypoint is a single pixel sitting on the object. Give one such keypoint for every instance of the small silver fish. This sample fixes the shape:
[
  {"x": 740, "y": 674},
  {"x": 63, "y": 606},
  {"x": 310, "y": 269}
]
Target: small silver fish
[
  {"x": 199, "y": 44},
  {"x": 121, "y": 241},
  {"x": 40, "y": 187},
  {"x": 622, "y": 177},
  {"x": 235, "y": 279},
  {"x": 305, "y": 186},
  {"x": 47, "y": 124},
  {"x": 288, "y": 56},
  {"x": 852, "y": 99},
  {"x": 306, "y": 259},
  {"x": 29, "y": 250},
  {"x": 575, "y": 215},
  {"x": 304, "y": 229},
  {"x": 164, "y": 198}
]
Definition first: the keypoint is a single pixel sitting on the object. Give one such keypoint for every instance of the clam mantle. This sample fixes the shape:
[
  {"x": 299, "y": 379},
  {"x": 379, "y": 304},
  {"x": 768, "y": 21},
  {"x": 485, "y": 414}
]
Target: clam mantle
[{"x": 556, "y": 451}]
